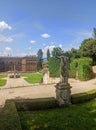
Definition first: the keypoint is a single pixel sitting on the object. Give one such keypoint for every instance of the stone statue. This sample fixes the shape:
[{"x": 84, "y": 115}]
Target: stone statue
[
  {"x": 63, "y": 69},
  {"x": 63, "y": 92},
  {"x": 45, "y": 75}
]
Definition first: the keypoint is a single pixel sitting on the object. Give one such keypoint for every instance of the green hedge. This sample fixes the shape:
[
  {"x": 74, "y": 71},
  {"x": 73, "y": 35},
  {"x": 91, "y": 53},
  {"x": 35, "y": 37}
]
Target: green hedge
[
  {"x": 82, "y": 66},
  {"x": 54, "y": 67},
  {"x": 47, "y": 103},
  {"x": 85, "y": 72},
  {"x": 35, "y": 104},
  {"x": 9, "y": 119},
  {"x": 82, "y": 97},
  {"x": 73, "y": 68}
]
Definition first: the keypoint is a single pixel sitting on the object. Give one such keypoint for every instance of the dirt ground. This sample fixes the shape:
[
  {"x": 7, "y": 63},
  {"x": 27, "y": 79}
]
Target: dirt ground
[{"x": 27, "y": 90}]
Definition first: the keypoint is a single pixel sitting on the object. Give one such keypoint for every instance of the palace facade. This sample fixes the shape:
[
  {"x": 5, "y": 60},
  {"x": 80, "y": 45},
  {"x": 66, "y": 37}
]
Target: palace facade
[{"x": 24, "y": 64}]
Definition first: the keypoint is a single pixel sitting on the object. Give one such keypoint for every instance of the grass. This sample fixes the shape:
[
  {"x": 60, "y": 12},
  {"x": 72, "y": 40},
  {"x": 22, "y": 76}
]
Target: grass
[
  {"x": 33, "y": 77},
  {"x": 9, "y": 119},
  {"x": 2, "y": 81},
  {"x": 75, "y": 117},
  {"x": 3, "y": 76}
]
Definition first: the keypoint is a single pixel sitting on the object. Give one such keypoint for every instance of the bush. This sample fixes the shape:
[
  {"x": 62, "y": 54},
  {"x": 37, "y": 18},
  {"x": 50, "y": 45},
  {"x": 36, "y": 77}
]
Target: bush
[
  {"x": 85, "y": 60},
  {"x": 82, "y": 97},
  {"x": 85, "y": 72},
  {"x": 85, "y": 69},
  {"x": 73, "y": 68},
  {"x": 82, "y": 66},
  {"x": 54, "y": 67},
  {"x": 9, "y": 119}
]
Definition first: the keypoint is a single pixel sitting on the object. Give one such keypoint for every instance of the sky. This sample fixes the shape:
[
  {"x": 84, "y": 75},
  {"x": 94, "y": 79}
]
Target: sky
[{"x": 29, "y": 25}]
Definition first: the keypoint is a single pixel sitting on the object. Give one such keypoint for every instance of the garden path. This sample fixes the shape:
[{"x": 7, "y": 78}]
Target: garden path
[
  {"x": 41, "y": 91},
  {"x": 15, "y": 82}
]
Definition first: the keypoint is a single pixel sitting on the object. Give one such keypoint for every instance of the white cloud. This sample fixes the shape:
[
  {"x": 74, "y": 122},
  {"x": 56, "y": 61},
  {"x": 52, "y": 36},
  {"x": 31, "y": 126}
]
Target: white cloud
[
  {"x": 45, "y": 50},
  {"x": 60, "y": 45},
  {"x": 8, "y": 49},
  {"x": 4, "y": 25},
  {"x": 32, "y": 41},
  {"x": 5, "y": 39},
  {"x": 51, "y": 48},
  {"x": 45, "y": 35}
]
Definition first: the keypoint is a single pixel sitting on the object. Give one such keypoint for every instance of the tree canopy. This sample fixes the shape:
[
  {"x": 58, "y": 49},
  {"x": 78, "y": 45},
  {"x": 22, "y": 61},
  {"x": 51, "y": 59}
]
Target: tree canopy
[
  {"x": 88, "y": 49},
  {"x": 57, "y": 51},
  {"x": 40, "y": 56},
  {"x": 94, "y": 33}
]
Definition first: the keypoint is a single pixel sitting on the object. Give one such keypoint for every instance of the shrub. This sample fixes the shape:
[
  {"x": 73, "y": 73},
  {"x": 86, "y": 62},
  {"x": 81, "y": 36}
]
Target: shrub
[
  {"x": 85, "y": 60},
  {"x": 82, "y": 97},
  {"x": 54, "y": 67},
  {"x": 85, "y": 72},
  {"x": 83, "y": 67},
  {"x": 73, "y": 68}
]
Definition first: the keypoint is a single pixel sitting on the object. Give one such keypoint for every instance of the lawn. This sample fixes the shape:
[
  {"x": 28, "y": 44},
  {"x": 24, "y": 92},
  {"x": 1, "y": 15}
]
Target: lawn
[
  {"x": 2, "y": 81},
  {"x": 75, "y": 117},
  {"x": 3, "y": 76},
  {"x": 33, "y": 77}
]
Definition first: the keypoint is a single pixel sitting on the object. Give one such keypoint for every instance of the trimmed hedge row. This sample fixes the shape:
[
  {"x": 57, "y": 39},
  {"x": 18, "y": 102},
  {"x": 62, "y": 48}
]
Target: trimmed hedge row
[
  {"x": 54, "y": 67},
  {"x": 82, "y": 97},
  {"x": 81, "y": 68},
  {"x": 35, "y": 104},
  {"x": 73, "y": 68},
  {"x": 9, "y": 119},
  {"x": 85, "y": 72},
  {"x": 47, "y": 103}
]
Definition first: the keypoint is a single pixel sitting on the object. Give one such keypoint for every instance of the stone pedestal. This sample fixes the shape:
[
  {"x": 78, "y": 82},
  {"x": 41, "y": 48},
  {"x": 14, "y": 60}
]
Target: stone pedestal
[{"x": 63, "y": 94}]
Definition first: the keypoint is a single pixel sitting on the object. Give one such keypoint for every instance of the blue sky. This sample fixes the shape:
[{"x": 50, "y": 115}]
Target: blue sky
[{"x": 29, "y": 25}]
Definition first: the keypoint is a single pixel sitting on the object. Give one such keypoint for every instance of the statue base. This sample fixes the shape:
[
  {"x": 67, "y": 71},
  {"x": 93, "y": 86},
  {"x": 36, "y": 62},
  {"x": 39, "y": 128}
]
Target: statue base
[{"x": 63, "y": 94}]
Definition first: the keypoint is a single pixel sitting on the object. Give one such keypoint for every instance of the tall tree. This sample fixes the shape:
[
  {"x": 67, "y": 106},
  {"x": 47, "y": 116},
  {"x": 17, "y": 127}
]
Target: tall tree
[
  {"x": 88, "y": 49},
  {"x": 40, "y": 57},
  {"x": 94, "y": 33},
  {"x": 48, "y": 54},
  {"x": 40, "y": 54},
  {"x": 73, "y": 53},
  {"x": 57, "y": 51}
]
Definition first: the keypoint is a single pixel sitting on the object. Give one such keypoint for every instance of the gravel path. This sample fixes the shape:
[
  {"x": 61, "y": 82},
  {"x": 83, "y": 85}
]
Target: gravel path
[
  {"x": 15, "y": 82},
  {"x": 27, "y": 90}
]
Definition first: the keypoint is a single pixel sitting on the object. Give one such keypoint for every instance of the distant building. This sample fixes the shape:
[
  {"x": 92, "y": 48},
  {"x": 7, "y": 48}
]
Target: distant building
[
  {"x": 29, "y": 63},
  {"x": 25, "y": 64}
]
